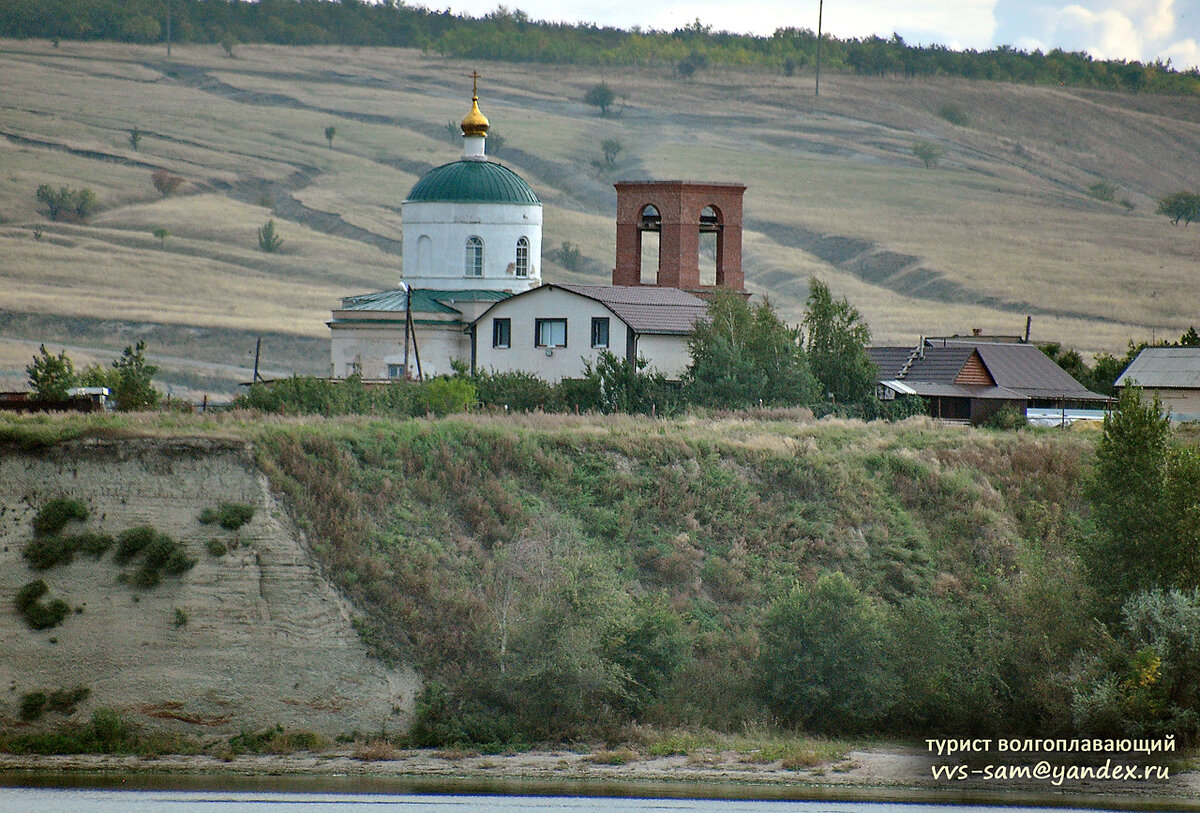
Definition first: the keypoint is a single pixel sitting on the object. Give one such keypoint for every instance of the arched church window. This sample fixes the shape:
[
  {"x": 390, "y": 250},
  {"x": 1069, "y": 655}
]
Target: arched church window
[
  {"x": 523, "y": 257},
  {"x": 474, "y": 257}
]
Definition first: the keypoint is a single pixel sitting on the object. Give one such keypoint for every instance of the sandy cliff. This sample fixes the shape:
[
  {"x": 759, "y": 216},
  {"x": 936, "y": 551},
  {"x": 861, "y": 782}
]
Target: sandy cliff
[{"x": 266, "y": 641}]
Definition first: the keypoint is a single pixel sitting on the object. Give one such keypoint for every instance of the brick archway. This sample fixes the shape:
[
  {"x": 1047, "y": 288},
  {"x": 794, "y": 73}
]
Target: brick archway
[{"x": 680, "y": 205}]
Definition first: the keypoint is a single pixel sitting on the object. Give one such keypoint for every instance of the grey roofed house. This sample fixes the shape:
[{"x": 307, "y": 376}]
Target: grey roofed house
[
  {"x": 1171, "y": 373},
  {"x": 971, "y": 381}
]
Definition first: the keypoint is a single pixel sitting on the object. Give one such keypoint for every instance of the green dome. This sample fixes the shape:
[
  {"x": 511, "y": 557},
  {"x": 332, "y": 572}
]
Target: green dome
[{"x": 472, "y": 182}]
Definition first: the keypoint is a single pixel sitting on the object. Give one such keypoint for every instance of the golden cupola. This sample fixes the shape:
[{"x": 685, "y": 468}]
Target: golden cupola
[{"x": 475, "y": 124}]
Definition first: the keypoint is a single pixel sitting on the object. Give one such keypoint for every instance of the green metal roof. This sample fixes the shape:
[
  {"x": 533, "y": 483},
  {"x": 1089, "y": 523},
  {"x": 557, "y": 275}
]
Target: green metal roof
[
  {"x": 472, "y": 182},
  {"x": 424, "y": 300}
]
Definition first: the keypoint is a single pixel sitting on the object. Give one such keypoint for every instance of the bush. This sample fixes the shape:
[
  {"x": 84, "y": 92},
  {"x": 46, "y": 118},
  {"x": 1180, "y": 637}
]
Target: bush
[
  {"x": 132, "y": 542},
  {"x": 822, "y": 663},
  {"x": 1007, "y": 418},
  {"x": 40, "y": 615},
  {"x": 569, "y": 256},
  {"x": 229, "y": 516},
  {"x": 520, "y": 391},
  {"x": 160, "y": 555},
  {"x": 64, "y": 701},
  {"x": 93, "y": 544},
  {"x": 66, "y": 204},
  {"x": 44, "y": 553},
  {"x": 54, "y": 515},
  {"x": 32, "y": 705},
  {"x": 217, "y": 548},
  {"x": 442, "y": 396},
  {"x": 954, "y": 114},
  {"x": 165, "y": 182},
  {"x": 1103, "y": 191}
]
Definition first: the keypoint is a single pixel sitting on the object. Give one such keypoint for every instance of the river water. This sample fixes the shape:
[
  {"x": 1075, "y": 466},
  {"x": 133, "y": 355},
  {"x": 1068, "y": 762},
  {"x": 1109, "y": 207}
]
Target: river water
[{"x": 105, "y": 800}]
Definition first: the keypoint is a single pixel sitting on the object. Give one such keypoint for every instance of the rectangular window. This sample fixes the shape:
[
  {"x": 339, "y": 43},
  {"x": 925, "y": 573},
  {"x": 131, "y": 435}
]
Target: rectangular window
[
  {"x": 600, "y": 331},
  {"x": 550, "y": 333},
  {"x": 395, "y": 371},
  {"x": 501, "y": 333}
]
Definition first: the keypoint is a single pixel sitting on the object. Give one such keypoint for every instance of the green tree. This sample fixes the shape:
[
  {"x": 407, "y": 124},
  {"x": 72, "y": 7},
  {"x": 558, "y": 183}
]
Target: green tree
[
  {"x": 744, "y": 355},
  {"x": 1178, "y": 206},
  {"x": 51, "y": 376},
  {"x": 611, "y": 147},
  {"x": 135, "y": 138},
  {"x": 134, "y": 380},
  {"x": 601, "y": 96},
  {"x": 162, "y": 234},
  {"x": 821, "y": 662},
  {"x": 615, "y": 385},
  {"x": 268, "y": 240},
  {"x": 166, "y": 183},
  {"x": 1126, "y": 551},
  {"x": 66, "y": 204},
  {"x": 837, "y": 345},
  {"x": 330, "y": 132},
  {"x": 928, "y": 152}
]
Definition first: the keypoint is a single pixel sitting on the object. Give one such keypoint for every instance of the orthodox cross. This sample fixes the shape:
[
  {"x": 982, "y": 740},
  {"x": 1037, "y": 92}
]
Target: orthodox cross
[{"x": 475, "y": 77}]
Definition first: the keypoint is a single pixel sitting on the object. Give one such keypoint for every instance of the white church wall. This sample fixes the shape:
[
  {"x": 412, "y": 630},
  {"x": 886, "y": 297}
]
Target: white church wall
[
  {"x": 372, "y": 348},
  {"x": 441, "y": 259}
]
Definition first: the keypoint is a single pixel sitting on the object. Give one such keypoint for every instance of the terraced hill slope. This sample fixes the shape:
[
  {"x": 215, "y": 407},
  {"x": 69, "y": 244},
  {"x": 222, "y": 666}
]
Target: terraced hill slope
[{"x": 1002, "y": 228}]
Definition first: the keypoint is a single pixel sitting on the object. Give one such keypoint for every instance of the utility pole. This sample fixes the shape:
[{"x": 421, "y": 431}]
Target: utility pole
[
  {"x": 168, "y": 29},
  {"x": 820, "y": 14}
]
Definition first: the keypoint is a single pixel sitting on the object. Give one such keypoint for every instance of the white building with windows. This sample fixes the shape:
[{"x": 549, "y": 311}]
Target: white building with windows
[
  {"x": 557, "y": 329},
  {"x": 472, "y": 235}
]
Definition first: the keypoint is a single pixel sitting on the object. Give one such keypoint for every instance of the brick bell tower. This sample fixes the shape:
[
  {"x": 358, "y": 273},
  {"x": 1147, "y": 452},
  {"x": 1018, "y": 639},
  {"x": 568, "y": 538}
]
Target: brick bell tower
[{"x": 680, "y": 211}]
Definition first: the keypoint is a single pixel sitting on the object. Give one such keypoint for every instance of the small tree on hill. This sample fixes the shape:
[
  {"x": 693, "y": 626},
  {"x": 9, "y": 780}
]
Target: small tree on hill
[
  {"x": 268, "y": 240},
  {"x": 51, "y": 376},
  {"x": 135, "y": 138},
  {"x": 330, "y": 132},
  {"x": 837, "y": 345},
  {"x": 1178, "y": 206},
  {"x": 928, "y": 152},
  {"x": 162, "y": 235},
  {"x": 601, "y": 96},
  {"x": 611, "y": 147},
  {"x": 165, "y": 182},
  {"x": 66, "y": 204}
]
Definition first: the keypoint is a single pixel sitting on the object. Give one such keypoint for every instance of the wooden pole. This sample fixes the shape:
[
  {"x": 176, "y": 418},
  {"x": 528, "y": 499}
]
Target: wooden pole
[
  {"x": 257, "y": 350},
  {"x": 407, "y": 326}
]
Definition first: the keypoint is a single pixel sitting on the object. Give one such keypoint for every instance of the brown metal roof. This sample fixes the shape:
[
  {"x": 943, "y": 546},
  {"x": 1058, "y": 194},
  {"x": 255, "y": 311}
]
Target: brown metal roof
[
  {"x": 646, "y": 308},
  {"x": 1020, "y": 368},
  {"x": 1026, "y": 369}
]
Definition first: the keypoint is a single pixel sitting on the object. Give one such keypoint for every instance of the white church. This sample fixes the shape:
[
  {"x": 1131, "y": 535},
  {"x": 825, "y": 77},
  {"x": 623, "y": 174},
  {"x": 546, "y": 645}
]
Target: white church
[
  {"x": 472, "y": 288},
  {"x": 472, "y": 236}
]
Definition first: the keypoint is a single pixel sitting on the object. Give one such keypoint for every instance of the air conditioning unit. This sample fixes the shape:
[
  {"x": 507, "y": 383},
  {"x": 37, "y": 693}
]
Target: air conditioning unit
[{"x": 549, "y": 351}]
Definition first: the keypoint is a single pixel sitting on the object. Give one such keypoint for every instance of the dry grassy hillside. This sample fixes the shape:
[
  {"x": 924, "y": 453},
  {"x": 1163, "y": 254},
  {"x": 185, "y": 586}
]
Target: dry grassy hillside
[{"x": 1002, "y": 228}]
